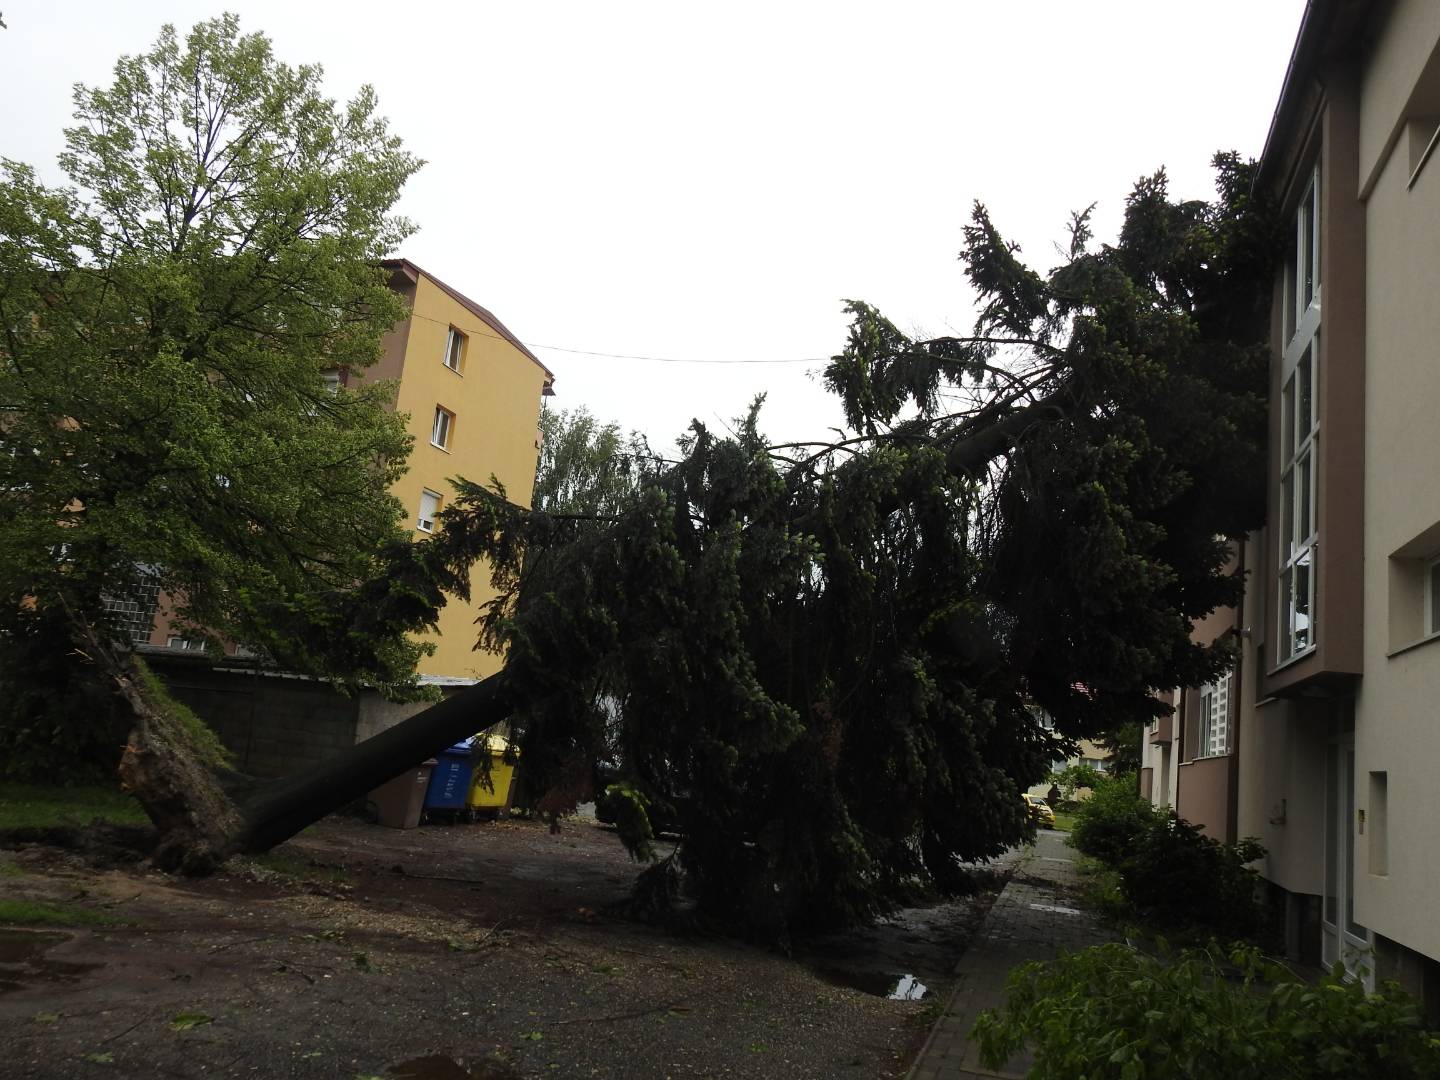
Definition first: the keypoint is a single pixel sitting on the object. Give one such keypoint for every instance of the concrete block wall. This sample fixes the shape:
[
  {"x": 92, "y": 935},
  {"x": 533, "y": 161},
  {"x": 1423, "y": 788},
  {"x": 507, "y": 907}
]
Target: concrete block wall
[
  {"x": 277, "y": 724},
  {"x": 274, "y": 725}
]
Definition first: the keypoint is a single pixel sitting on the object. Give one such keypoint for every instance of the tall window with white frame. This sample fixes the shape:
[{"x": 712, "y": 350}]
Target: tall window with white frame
[
  {"x": 454, "y": 350},
  {"x": 1300, "y": 430},
  {"x": 443, "y": 427},
  {"x": 1215, "y": 718}
]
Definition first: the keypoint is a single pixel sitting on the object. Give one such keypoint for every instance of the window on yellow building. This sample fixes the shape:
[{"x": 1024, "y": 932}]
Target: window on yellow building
[
  {"x": 444, "y": 426},
  {"x": 429, "y": 510},
  {"x": 455, "y": 350}
]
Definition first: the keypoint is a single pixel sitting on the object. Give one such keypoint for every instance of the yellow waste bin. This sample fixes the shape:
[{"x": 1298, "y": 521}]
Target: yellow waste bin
[{"x": 496, "y": 798}]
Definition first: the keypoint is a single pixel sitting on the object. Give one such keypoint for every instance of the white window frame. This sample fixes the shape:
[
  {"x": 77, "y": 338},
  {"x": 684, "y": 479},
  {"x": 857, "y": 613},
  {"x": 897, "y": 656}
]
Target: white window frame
[
  {"x": 442, "y": 428},
  {"x": 1215, "y": 697},
  {"x": 330, "y": 380},
  {"x": 422, "y": 522},
  {"x": 1300, "y": 435},
  {"x": 455, "y": 342},
  {"x": 184, "y": 644}
]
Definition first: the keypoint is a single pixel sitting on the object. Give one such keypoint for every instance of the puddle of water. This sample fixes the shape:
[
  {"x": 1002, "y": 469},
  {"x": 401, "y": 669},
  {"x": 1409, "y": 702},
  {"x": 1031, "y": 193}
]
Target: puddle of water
[
  {"x": 1057, "y": 909},
  {"x": 908, "y": 988},
  {"x": 23, "y": 961},
  {"x": 441, "y": 1067},
  {"x": 879, "y": 983}
]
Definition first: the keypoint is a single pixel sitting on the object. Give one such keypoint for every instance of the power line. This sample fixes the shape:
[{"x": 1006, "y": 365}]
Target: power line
[{"x": 633, "y": 356}]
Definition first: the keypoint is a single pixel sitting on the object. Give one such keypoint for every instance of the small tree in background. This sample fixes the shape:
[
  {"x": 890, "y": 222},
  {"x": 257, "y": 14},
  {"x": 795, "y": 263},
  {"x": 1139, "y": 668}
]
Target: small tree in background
[{"x": 1072, "y": 778}]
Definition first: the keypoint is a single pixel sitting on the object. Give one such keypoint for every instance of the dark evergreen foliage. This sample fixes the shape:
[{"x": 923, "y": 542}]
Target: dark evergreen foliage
[{"x": 825, "y": 657}]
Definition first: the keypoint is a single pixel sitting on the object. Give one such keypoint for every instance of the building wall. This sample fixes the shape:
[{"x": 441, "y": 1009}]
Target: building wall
[
  {"x": 1198, "y": 788},
  {"x": 1364, "y": 101},
  {"x": 1203, "y": 796},
  {"x": 1282, "y": 792},
  {"x": 1397, "y": 737},
  {"x": 496, "y": 401},
  {"x": 1395, "y": 73}
]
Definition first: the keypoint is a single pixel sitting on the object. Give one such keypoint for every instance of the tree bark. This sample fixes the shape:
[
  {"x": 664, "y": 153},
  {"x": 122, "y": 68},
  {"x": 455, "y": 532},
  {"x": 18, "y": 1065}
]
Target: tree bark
[{"x": 165, "y": 766}]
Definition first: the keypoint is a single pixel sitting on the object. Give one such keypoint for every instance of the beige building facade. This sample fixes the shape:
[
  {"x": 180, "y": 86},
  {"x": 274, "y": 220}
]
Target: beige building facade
[{"x": 1332, "y": 715}]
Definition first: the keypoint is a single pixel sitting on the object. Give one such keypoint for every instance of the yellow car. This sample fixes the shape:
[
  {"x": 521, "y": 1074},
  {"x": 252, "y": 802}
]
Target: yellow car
[{"x": 1040, "y": 810}]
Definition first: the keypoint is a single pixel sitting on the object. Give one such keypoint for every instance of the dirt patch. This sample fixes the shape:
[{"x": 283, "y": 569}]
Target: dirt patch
[{"x": 469, "y": 951}]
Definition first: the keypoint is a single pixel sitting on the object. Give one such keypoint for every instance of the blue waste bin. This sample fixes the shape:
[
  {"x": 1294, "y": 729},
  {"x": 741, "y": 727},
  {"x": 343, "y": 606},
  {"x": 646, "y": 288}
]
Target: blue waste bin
[{"x": 450, "y": 779}]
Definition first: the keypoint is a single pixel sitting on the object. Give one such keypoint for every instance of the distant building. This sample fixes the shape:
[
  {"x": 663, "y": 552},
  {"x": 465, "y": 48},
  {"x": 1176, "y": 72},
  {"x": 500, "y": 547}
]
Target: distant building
[{"x": 1087, "y": 752}]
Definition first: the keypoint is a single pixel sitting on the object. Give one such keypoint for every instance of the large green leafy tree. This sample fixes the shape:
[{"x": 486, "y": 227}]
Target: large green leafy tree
[
  {"x": 165, "y": 322},
  {"x": 166, "y": 325}
]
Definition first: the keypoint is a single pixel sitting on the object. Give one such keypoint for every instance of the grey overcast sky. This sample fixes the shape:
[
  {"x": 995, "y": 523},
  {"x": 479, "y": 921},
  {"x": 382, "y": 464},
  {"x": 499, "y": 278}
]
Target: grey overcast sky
[{"x": 709, "y": 182}]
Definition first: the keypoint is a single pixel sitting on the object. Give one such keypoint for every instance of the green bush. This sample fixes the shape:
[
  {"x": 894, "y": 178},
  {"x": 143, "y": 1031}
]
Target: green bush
[
  {"x": 1170, "y": 872},
  {"x": 1114, "y": 1013},
  {"x": 1187, "y": 879},
  {"x": 1109, "y": 823}
]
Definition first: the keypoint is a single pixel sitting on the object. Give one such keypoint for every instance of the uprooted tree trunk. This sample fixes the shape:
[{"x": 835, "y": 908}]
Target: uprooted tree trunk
[
  {"x": 202, "y": 815},
  {"x": 163, "y": 766}
]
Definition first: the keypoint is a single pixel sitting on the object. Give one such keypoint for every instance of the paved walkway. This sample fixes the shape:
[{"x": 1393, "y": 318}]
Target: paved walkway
[{"x": 1034, "y": 918}]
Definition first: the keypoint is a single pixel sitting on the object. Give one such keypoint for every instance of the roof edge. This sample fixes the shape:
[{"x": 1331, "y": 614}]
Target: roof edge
[
  {"x": 1323, "y": 25},
  {"x": 1305, "y": 38},
  {"x": 414, "y": 273}
]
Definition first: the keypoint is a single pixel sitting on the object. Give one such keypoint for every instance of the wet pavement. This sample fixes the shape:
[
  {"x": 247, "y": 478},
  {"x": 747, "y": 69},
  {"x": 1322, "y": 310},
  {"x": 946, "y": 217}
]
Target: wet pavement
[{"x": 1035, "y": 918}]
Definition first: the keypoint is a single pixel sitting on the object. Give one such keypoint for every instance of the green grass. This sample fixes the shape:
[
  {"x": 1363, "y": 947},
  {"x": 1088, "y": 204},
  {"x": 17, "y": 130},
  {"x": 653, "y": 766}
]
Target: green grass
[
  {"x": 1064, "y": 820},
  {"x": 28, "y": 913},
  {"x": 43, "y": 806}
]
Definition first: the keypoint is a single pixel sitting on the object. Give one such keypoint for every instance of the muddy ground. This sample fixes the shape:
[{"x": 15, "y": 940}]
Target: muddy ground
[{"x": 477, "y": 951}]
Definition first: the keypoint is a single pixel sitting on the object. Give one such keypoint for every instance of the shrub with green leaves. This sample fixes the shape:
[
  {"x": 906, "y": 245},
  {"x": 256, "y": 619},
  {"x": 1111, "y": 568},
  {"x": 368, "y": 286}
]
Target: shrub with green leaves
[
  {"x": 1115, "y": 1013},
  {"x": 1110, "y": 821},
  {"x": 1170, "y": 872},
  {"x": 1188, "y": 879}
]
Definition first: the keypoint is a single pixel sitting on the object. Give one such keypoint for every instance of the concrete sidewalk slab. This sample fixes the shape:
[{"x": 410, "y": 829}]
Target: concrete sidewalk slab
[{"x": 1034, "y": 918}]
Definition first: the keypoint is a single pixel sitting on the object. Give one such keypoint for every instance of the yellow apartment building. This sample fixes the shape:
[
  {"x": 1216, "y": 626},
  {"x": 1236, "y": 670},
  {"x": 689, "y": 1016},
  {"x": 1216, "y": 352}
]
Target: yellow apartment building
[{"x": 472, "y": 392}]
